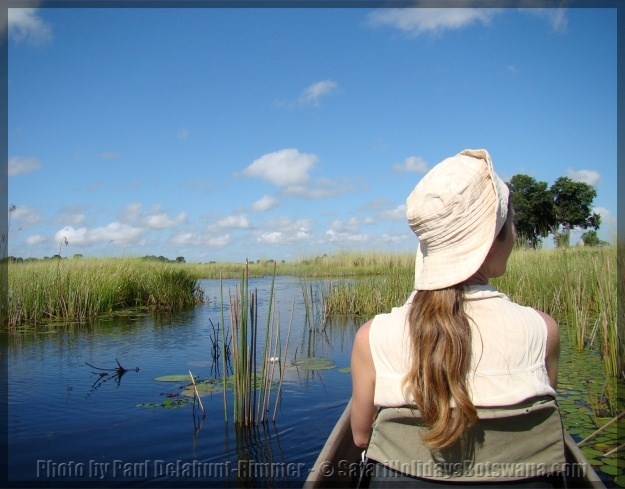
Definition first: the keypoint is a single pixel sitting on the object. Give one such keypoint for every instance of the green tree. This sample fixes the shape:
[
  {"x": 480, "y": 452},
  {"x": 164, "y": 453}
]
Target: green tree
[
  {"x": 591, "y": 238},
  {"x": 572, "y": 202},
  {"x": 534, "y": 211}
]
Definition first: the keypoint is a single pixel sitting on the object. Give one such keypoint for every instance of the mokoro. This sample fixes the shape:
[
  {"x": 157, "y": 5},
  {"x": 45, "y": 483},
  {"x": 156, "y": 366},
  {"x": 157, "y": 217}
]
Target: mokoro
[{"x": 337, "y": 463}]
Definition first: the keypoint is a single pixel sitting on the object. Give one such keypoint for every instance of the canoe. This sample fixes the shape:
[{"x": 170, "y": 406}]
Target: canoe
[{"x": 337, "y": 463}]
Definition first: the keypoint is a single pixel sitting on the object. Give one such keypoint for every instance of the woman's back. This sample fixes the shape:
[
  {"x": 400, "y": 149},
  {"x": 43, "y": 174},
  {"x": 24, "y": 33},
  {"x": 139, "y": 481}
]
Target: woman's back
[{"x": 508, "y": 351}]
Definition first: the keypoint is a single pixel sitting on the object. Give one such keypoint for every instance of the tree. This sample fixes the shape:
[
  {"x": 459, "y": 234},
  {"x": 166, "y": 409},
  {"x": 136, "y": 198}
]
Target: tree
[
  {"x": 534, "y": 211},
  {"x": 572, "y": 203},
  {"x": 591, "y": 238}
]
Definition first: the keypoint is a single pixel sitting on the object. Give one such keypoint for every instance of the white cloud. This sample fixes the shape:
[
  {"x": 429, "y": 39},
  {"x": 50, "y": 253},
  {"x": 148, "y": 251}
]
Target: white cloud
[
  {"x": 73, "y": 215},
  {"x": 239, "y": 221},
  {"x": 156, "y": 218},
  {"x": 182, "y": 133},
  {"x": 115, "y": 233},
  {"x": 333, "y": 236},
  {"x": 321, "y": 189},
  {"x": 130, "y": 213},
  {"x": 194, "y": 239},
  {"x": 396, "y": 238},
  {"x": 557, "y": 17},
  {"x": 35, "y": 239},
  {"x": 590, "y": 177},
  {"x": 184, "y": 239},
  {"x": 286, "y": 167},
  {"x": 161, "y": 220},
  {"x": 352, "y": 225},
  {"x": 273, "y": 237},
  {"x": 285, "y": 230},
  {"x": 265, "y": 203},
  {"x": 318, "y": 192},
  {"x": 312, "y": 95},
  {"x": 417, "y": 21},
  {"x": 19, "y": 165},
  {"x": 396, "y": 214},
  {"x": 412, "y": 164},
  {"x": 25, "y": 215},
  {"x": 607, "y": 218},
  {"x": 25, "y": 25},
  {"x": 218, "y": 241},
  {"x": 348, "y": 231}
]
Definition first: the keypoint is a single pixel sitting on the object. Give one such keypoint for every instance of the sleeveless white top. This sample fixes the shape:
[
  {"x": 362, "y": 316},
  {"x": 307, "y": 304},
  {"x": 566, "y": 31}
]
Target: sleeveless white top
[{"x": 508, "y": 351}]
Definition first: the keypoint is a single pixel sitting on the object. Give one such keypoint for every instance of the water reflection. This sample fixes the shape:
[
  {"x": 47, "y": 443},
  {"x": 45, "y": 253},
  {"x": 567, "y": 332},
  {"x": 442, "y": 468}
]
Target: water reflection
[
  {"x": 104, "y": 376},
  {"x": 48, "y": 364}
]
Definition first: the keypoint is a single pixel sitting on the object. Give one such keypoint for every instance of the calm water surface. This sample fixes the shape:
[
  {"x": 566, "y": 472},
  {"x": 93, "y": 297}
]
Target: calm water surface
[{"x": 66, "y": 423}]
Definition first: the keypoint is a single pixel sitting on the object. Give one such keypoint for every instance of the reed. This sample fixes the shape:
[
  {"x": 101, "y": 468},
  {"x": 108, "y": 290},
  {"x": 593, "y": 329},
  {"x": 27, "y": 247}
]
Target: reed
[
  {"x": 342, "y": 264},
  {"x": 578, "y": 286},
  {"x": 368, "y": 296},
  {"x": 79, "y": 289},
  {"x": 252, "y": 390}
]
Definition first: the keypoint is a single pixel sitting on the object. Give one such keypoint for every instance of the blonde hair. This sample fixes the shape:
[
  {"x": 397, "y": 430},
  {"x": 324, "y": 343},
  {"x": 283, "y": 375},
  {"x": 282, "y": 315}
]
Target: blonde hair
[
  {"x": 440, "y": 334},
  {"x": 441, "y": 337}
]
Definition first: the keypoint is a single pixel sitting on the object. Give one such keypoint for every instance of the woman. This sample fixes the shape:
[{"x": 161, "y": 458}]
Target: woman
[{"x": 461, "y": 379}]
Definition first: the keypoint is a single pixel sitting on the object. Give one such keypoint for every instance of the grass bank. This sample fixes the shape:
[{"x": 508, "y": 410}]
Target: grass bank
[
  {"x": 341, "y": 264},
  {"x": 578, "y": 286},
  {"x": 78, "y": 289}
]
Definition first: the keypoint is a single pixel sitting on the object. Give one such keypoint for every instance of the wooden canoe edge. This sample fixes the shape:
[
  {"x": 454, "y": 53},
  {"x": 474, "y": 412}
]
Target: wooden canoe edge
[
  {"x": 576, "y": 457},
  {"x": 340, "y": 447}
]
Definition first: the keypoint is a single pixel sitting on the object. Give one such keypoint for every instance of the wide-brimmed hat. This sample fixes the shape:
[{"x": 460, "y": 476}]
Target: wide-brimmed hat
[{"x": 456, "y": 211}]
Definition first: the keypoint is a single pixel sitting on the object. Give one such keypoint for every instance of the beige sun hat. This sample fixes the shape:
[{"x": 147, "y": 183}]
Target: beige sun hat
[{"x": 456, "y": 210}]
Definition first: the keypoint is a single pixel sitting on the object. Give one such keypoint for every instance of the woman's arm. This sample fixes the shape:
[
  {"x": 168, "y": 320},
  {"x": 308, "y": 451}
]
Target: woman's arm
[
  {"x": 363, "y": 387},
  {"x": 552, "y": 355}
]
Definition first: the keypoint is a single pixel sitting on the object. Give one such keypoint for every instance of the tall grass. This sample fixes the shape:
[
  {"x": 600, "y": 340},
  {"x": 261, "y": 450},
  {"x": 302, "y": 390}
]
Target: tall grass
[
  {"x": 342, "y": 264},
  {"x": 78, "y": 289},
  {"x": 578, "y": 286}
]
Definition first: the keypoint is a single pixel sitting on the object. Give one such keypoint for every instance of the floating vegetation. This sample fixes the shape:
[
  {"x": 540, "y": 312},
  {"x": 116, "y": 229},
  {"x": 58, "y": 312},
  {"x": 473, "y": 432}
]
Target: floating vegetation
[
  {"x": 168, "y": 403},
  {"x": 172, "y": 378},
  {"x": 314, "y": 363}
]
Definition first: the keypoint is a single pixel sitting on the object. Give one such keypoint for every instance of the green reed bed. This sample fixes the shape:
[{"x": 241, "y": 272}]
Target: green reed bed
[
  {"x": 78, "y": 289},
  {"x": 578, "y": 286},
  {"x": 342, "y": 264},
  {"x": 253, "y": 376}
]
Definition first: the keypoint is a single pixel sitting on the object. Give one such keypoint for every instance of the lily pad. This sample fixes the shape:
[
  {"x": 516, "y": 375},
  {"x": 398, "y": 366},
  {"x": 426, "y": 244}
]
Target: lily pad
[
  {"x": 315, "y": 363},
  {"x": 204, "y": 388},
  {"x": 167, "y": 403},
  {"x": 173, "y": 378}
]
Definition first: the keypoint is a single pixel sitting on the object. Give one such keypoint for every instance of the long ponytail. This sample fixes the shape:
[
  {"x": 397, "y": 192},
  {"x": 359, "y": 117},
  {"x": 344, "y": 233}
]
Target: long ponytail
[{"x": 441, "y": 337}]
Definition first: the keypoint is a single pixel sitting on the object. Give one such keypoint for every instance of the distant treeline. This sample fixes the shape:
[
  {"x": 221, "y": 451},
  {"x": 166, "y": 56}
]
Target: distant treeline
[{"x": 163, "y": 259}]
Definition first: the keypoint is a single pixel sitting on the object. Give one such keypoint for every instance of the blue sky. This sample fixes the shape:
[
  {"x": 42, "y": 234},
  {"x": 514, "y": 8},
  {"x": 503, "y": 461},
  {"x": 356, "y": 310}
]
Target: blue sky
[{"x": 226, "y": 134}]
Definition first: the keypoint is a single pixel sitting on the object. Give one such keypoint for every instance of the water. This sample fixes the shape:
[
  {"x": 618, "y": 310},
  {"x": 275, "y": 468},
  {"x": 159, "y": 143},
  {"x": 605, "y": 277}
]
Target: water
[{"x": 68, "y": 423}]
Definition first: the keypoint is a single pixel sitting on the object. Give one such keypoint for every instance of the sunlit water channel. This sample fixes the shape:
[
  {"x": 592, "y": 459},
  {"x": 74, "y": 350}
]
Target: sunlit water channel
[{"x": 68, "y": 423}]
